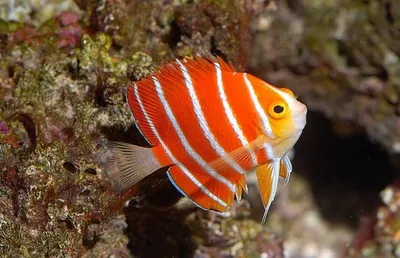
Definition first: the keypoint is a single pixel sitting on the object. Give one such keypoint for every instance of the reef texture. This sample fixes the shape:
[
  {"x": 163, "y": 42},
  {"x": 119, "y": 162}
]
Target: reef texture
[
  {"x": 64, "y": 69},
  {"x": 379, "y": 236}
]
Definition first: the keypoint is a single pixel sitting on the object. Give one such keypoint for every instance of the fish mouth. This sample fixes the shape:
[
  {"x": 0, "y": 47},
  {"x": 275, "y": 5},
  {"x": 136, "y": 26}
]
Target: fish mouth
[{"x": 300, "y": 119}]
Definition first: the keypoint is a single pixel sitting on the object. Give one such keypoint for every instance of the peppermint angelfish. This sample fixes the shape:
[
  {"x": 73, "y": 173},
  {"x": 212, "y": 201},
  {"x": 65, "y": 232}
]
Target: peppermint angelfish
[{"x": 209, "y": 125}]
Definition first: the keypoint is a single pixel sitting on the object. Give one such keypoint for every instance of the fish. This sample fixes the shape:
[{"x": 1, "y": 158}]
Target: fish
[{"x": 209, "y": 126}]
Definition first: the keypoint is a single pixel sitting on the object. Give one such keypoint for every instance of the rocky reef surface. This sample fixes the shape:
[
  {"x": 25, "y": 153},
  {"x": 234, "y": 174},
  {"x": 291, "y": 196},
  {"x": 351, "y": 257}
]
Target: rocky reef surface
[{"x": 64, "y": 69}]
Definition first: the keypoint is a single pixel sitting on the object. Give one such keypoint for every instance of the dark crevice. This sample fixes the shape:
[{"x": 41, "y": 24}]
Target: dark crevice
[
  {"x": 389, "y": 12},
  {"x": 346, "y": 173},
  {"x": 3, "y": 43},
  {"x": 343, "y": 50},
  {"x": 100, "y": 90},
  {"x": 154, "y": 233},
  {"x": 68, "y": 223},
  {"x": 99, "y": 97},
  {"x": 11, "y": 71},
  {"x": 155, "y": 229},
  {"x": 174, "y": 37},
  {"x": 70, "y": 167},
  {"x": 296, "y": 6},
  {"x": 29, "y": 126},
  {"x": 90, "y": 241},
  {"x": 217, "y": 52},
  {"x": 382, "y": 74},
  {"x": 90, "y": 171}
]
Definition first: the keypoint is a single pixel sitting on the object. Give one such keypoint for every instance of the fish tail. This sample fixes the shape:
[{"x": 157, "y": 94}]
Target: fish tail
[{"x": 128, "y": 164}]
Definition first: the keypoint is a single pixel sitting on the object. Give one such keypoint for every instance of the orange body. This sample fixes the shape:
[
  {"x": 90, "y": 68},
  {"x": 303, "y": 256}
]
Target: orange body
[{"x": 202, "y": 118}]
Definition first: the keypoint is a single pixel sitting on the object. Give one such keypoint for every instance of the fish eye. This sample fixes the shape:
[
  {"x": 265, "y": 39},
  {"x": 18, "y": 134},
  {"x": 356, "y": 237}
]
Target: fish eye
[
  {"x": 277, "y": 109},
  {"x": 288, "y": 91}
]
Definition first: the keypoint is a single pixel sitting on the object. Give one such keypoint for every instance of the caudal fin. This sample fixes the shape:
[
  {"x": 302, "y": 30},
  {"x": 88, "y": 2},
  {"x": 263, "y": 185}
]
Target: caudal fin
[{"x": 129, "y": 164}]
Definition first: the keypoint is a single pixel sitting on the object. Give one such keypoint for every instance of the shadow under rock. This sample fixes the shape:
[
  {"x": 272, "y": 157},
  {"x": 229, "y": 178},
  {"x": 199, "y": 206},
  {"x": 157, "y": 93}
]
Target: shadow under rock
[
  {"x": 155, "y": 228},
  {"x": 153, "y": 232},
  {"x": 346, "y": 173}
]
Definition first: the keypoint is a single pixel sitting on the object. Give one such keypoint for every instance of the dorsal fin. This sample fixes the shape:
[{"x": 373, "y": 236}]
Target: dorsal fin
[
  {"x": 136, "y": 104},
  {"x": 205, "y": 64},
  {"x": 199, "y": 67}
]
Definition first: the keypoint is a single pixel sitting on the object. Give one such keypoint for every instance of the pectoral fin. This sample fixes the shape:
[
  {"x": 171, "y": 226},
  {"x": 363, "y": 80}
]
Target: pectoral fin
[
  {"x": 268, "y": 177},
  {"x": 242, "y": 155}
]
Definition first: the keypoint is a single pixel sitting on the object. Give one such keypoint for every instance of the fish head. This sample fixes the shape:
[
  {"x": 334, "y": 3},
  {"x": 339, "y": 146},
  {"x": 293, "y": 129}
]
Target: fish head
[{"x": 286, "y": 116}]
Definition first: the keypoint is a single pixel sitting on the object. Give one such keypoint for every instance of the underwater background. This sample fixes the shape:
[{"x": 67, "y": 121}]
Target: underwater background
[{"x": 64, "y": 70}]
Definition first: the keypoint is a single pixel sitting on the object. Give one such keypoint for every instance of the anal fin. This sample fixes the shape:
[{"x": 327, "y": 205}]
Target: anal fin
[
  {"x": 201, "y": 189},
  {"x": 240, "y": 187},
  {"x": 238, "y": 193}
]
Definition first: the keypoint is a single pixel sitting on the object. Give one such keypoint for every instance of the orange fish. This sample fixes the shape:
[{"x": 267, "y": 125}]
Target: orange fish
[{"x": 210, "y": 126}]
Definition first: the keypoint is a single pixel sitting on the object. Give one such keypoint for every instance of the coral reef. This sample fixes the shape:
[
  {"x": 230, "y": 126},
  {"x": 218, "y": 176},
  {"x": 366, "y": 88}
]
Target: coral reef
[
  {"x": 64, "y": 69},
  {"x": 53, "y": 200}
]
